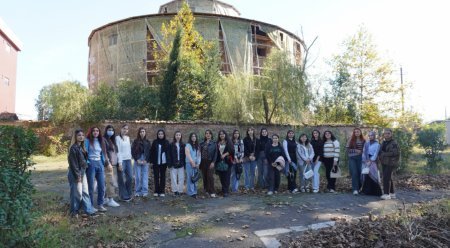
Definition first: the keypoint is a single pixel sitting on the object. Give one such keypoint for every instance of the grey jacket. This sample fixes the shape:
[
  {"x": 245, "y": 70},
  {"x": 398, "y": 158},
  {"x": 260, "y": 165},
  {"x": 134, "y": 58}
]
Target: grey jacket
[{"x": 304, "y": 153}]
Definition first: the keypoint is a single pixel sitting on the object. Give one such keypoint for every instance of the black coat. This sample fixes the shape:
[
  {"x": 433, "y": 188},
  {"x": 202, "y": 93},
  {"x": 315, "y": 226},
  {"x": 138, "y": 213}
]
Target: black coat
[
  {"x": 154, "y": 150},
  {"x": 140, "y": 147},
  {"x": 173, "y": 156},
  {"x": 77, "y": 160},
  {"x": 318, "y": 149},
  {"x": 251, "y": 146}
]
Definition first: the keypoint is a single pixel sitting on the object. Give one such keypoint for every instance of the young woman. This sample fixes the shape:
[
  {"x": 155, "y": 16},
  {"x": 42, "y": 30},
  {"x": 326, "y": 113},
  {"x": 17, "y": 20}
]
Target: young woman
[
  {"x": 225, "y": 155},
  {"x": 79, "y": 194},
  {"x": 262, "y": 163},
  {"x": 251, "y": 144},
  {"x": 96, "y": 149},
  {"x": 305, "y": 158},
  {"x": 371, "y": 181},
  {"x": 111, "y": 176},
  {"x": 354, "y": 151},
  {"x": 193, "y": 159},
  {"x": 177, "y": 163},
  {"x": 317, "y": 144},
  {"x": 389, "y": 156},
  {"x": 273, "y": 152},
  {"x": 236, "y": 168},
  {"x": 209, "y": 152},
  {"x": 290, "y": 149},
  {"x": 124, "y": 170},
  {"x": 331, "y": 151},
  {"x": 159, "y": 154},
  {"x": 141, "y": 154}
]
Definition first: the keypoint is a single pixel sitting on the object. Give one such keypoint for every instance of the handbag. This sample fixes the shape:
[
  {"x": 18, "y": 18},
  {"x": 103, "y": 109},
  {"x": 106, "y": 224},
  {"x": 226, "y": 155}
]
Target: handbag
[
  {"x": 195, "y": 176},
  {"x": 308, "y": 172},
  {"x": 221, "y": 166},
  {"x": 336, "y": 172},
  {"x": 365, "y": 169}
]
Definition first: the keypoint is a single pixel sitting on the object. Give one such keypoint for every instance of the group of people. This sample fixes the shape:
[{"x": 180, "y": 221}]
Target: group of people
[{"x": 104, "y": 163}]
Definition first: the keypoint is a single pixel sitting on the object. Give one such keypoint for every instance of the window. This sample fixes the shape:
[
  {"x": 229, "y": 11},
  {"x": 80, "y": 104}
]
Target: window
[
  {"x": 165, "y": 10},
  {"x": 282, "y": 37},
  {"x": 6, "y": 81},
  {"x": 113, "y": 40}
]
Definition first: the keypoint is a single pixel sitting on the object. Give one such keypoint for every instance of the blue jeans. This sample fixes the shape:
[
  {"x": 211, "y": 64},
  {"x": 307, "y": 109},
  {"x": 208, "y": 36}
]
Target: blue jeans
[
  {"x": 263, "y": 169},
  {"x": 79, "y": 194},
  {"x": 125, "y": 180},
  {"x": 96, "y": 171},
  {"x": 234, "y": 179},
  {"x": 141, "y": 178},
  {"x": 249, "y": 174},
  {"x": 191, "y": 188},
  {"x": 354, "y": 165}
]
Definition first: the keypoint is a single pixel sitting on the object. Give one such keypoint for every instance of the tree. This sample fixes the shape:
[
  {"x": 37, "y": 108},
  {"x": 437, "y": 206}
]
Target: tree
[
  {"x": 364, "y": 80},
  {"x": 103, "y": 104},
  {"x": 62, "y": 102},
  {"x": 284, "y": 91},
  {"x": 198, "y": 67}
]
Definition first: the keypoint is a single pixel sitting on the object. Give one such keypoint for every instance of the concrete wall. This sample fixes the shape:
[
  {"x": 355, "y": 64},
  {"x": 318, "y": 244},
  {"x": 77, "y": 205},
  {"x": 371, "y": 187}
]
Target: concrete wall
[
  {"x": 447, "y": 125},
  {"x": 8, "y": 69}
]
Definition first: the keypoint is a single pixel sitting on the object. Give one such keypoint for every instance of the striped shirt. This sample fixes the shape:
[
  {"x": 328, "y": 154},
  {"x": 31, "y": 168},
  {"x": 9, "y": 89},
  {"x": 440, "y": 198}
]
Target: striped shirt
[
  {"x": 331, "y": 149},
  {"x": 352, "y": 150}
]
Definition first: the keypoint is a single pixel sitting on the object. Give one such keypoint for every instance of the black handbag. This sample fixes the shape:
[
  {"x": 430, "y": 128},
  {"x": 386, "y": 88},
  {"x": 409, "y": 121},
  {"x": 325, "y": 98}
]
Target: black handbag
[
  {"x": 221, "y": 166},
  {"x": 195, "y": 176},
  {"x": 238, "y": 169}
]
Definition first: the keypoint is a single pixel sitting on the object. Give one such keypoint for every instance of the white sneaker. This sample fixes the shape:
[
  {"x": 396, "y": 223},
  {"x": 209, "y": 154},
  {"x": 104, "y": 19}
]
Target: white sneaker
[
  {"x": 332, "y": 191},
  {"x": 162, "y": 195},
  {"x": 385, "y": 197},
  {"x": 275, "y": 192},
  {"x": 112, "y": 203},
  {"x": 213, "y": 195},
  {"x": 294, "y": 191},
  {"x": 270, "y": 193},
  {"x": 316, "y": 191},
  {"x": 355, "y": 192},
  {"x": 155, "y": 194},
  {"x": 94, "y": 209},
  {"x": 393, "y": 196},
  {"x": 101, "y": 208}
]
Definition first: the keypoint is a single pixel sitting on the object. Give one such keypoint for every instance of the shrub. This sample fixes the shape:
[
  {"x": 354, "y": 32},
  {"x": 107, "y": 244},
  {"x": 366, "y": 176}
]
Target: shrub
[
  {"x": 432, "y": 139},
  {"x": 16, "y": 146},
  {"x": 405, "y": 141}
]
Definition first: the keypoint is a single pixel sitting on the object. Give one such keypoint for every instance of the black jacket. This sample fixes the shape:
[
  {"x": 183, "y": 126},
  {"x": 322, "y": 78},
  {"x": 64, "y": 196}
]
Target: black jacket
[
  {"x": 173, "y": 156},
  {"x": 140, "y": 147},
  {"x": 389, "y": 153},
  {"x": 251, "y": 146},
  {"x": 273, "y": 152},
  {"x": 77, "y": 160},
  {"x": 228, "y": 148},
  {"x": 154, "y": 150},
  {"x": 318, "y": 149},
  {"x": 212, "y": 150}
]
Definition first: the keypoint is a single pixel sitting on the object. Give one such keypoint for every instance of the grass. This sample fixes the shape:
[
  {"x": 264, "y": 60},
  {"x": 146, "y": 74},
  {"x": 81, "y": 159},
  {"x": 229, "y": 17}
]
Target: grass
[{"x": 418, "y": 164}]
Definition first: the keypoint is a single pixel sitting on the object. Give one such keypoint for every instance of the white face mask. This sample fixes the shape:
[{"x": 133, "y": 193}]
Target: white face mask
[{"x": 110, "y": 133}]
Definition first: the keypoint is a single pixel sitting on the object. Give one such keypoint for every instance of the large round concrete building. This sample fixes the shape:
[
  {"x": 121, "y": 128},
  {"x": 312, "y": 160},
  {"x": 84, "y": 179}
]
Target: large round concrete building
[{"x": 124, "y": 49}]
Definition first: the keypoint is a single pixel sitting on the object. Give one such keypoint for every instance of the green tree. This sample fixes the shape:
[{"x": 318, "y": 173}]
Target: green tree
[
  {"x": 169, "y": 89},
  {"x": 103, "y": 104},
  {"x": 284, "y": 91},
  {"x": 62, "y": 102},
  {"x": 432, "y": 139}
]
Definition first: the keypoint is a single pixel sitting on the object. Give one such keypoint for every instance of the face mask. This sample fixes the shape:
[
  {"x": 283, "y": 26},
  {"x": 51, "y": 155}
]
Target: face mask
[{"x": 110, "y": 133}]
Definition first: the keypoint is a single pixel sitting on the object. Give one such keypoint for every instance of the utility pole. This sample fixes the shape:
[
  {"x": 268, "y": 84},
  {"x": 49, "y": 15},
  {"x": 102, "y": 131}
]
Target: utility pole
[{"x": 402, "y": 89}]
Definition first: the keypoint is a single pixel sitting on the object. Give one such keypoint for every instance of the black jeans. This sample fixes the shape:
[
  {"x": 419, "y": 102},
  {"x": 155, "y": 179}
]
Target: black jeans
[
  {"x": 328, "y": 162},
  {"x": 225, "y": 177},
  {"x": 274, "y": 178},
  {"x": 291, "y": 180},
  {"x": 159, "y": 173},
  {"x": 388, "y": 184}
]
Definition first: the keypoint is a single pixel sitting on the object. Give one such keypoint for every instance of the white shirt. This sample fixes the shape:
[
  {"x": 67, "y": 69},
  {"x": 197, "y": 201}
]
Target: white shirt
[{"x": 124, "y": 148}]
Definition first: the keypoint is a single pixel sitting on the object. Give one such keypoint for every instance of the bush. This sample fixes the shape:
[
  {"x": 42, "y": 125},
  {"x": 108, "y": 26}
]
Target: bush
[
  {"x": 16, "y": 146},
  {"x": 405, "y": 141},
  {"x": 432, "y": 139}
]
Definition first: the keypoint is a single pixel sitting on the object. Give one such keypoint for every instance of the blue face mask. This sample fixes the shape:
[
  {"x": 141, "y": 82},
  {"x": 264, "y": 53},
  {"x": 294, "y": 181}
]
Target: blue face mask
[{"x": 110, "y": 133}]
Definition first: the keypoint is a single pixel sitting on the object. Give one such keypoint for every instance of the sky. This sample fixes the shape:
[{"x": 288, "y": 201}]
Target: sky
[{"x": 414, "y": 34}]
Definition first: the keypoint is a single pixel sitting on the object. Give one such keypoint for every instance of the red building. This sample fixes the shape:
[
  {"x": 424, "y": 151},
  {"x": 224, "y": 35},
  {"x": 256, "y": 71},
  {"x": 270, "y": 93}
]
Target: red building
[{"x": 10, "y": 45}]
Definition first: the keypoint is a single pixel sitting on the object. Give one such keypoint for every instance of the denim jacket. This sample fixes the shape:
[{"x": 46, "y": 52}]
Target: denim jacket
[{"x": 212, "y": 150}]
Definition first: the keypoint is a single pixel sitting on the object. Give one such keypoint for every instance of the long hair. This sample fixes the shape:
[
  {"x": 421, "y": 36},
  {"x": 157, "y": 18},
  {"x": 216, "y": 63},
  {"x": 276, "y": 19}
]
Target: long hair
[
  {"x": 120, "y": 134},
  {"x": 263, "y": 129},
  {"x": 228, "y": 143},
  {"x": 353, "y": 138},
  {"x": 300, "y": 139},
  {"x": 287, "y": 135},
  {"x": 157, "y": 135},
  {"x": 239, "y": 137},
  {"x": 175, "y": 140},
  {"x": 318, "y": 136},
  {"x": 210, "y": 132},
  {"x": 139, "y": 134},
  {"x": 193, "y": 144},
  {"x": 248, "y": 135},
  {"x": 333, "y": 138},
  {"x": 74, "y": 140},
  {"x": 90, "y": 136},
  {"x": 111, "y": 139}
]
